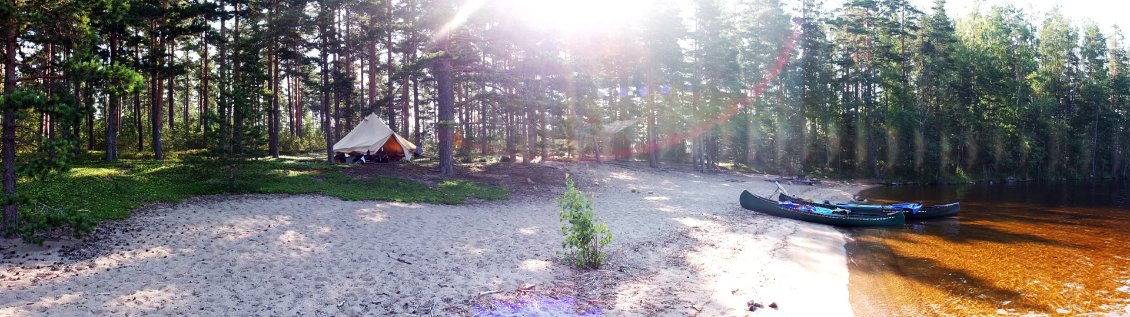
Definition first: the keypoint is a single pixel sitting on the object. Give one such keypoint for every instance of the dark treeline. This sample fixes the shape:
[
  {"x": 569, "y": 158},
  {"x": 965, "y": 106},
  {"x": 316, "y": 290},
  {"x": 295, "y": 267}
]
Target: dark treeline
[{"x": 876, "y": 88}]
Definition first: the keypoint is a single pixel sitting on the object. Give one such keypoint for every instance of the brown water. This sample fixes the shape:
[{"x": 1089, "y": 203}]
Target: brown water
[{"x": 1060, "y": 249}]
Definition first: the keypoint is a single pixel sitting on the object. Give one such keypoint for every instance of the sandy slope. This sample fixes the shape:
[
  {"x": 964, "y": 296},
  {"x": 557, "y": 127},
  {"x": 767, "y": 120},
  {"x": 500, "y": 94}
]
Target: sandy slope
[{"x": 682, "y": 246}]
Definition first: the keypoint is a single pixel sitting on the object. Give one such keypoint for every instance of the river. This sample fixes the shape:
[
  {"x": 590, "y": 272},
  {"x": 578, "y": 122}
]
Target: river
[{"x": 1015, "y": 249}]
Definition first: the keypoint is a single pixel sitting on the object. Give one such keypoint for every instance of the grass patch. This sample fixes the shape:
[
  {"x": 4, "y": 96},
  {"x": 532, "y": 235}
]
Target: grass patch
[
  {"x": 738, "y": 167},
  {"x": 102, "y": 191},
  {"x": 336, "y": 184}
]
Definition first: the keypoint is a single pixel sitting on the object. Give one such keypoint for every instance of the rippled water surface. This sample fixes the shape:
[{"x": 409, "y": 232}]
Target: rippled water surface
[{"x": 1014, "y": 250}]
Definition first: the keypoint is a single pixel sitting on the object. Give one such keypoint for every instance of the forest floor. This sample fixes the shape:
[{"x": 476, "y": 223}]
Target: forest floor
[
  {"x": 518, "y": 179},
  {"x": 681, "y": 246}
]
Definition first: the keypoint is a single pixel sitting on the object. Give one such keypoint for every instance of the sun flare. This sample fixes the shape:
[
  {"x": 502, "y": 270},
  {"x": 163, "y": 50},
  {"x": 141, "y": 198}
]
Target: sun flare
[{"x": 578, "y": 15}]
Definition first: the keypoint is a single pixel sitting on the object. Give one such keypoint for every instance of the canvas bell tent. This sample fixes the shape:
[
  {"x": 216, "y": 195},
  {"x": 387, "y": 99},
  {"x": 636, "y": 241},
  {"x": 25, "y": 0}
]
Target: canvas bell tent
[{"x": 372, "y": 135}]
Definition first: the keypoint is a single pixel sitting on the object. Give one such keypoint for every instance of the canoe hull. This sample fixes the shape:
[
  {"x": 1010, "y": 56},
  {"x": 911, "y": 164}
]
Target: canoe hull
[
  {"x": 769, "y": 207},
  {"x": 935, "y": 212},
  {"x": 926, "y": 213}
]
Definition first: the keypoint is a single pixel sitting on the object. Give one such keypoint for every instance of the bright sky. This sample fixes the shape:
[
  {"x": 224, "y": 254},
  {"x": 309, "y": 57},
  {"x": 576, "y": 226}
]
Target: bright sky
[
  {"x": 1104, "y": 12},
  {"x": 577, "y": 15},
  {"x": 588, "y": 15}
]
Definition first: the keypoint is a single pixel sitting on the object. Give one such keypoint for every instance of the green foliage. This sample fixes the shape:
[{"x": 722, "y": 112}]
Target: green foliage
[
  {"x": 7, "y": 10},
  {"x": 22, "y": 99},
  {"x": 300, "y": 143},
  {"x": 959, "y": 176},
  {"x": 53, "y": 157},
  {"x": 120, "y": 80},
  {"x": 585, "y": 236},
  {"x": 92, "y": 192},
  {"x": 39, "y": 220}
]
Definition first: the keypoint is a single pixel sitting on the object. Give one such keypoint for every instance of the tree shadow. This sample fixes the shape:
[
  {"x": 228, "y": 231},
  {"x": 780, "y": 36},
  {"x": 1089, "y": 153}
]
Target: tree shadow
[
  {"x": 1005, "y": 246},
  {"x": 957, "y": 284},
  {"x": 963, "y": 233}
]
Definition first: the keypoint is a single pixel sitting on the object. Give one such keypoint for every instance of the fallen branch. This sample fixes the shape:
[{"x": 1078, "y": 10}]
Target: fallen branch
[
  {"x": 398, "y": 259},
  {"x": 481, "y": 294}
]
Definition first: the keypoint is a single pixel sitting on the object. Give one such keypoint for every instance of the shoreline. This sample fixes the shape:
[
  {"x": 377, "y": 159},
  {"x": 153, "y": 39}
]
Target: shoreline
[{"x": 681, "y": 245}]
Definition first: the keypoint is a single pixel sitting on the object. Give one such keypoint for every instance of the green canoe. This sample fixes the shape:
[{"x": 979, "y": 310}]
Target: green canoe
[{"x": 769, "y": 207}]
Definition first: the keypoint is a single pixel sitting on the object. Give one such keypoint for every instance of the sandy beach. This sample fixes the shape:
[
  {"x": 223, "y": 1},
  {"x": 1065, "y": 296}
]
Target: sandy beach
[{"x": 682, "y": 246}]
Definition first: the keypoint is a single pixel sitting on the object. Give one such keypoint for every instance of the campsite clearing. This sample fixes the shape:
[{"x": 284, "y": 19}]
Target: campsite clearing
[
  {"x": 681, "y": 246},
  {"x": 103, "y": 191}
]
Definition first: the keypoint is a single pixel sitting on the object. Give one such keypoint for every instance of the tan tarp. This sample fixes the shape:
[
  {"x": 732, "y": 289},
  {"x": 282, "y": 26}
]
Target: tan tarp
[{"x": 373, "y": 134}]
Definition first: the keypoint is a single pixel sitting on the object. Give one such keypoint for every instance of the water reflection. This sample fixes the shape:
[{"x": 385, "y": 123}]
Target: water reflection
[{"x": 1015, "y": 249}]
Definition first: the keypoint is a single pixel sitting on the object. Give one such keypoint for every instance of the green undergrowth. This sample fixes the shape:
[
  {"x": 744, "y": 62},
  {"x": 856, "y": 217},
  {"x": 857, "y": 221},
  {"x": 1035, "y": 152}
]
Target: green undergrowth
[{"x": 92, "y": 192}]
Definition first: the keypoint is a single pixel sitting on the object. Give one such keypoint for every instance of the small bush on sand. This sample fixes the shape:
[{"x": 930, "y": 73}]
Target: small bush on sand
[{"x": 585, "y": 236}]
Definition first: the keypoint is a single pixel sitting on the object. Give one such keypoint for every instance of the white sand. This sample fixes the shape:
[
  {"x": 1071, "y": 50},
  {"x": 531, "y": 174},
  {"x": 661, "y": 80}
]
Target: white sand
[{"x": 686, "y": 248}]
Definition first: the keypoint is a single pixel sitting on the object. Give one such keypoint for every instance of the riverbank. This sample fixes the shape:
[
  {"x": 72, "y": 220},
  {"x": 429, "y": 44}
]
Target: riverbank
[{"x": 681, "y": 246}]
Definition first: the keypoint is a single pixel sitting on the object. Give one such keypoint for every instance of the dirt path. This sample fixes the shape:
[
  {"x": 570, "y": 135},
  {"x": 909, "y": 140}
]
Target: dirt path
[{"x": 682, "y": 246}]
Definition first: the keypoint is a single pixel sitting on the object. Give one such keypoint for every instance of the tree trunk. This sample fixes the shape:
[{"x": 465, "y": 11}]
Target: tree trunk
[
  {"x": 511, "y": 149},
  {"x": 172, "y": 90},
  {"x": 327, "y": 129},
  {"x": 8, "y": 140},
  {"x": 543, "y": 120},
  {"x": 409, "y": 54},
  {"x": 347, "y": 92},
  {"x": 416, "y": 111},
  {"x": 461, "y": 107},
  {"x": 404, "y": 98},
  {"x": 374, "y": 60},
  {"x": 652, "y": 143},
  {"x": 172, "y": 103},
  {"x": 446, "y": 109},
  {"x": 574, "y": 135},
  {"x": 185, "y": 118},
  {"x": 90, "y": 130},
  {"x": 299, "y": 110},
  {"x": 156, "y": 115},
  {"x": 531, "y": 134},
  {"x": 76, "y": 129},
  {"x": 48, "y": 122},
  {"x": 113, "y": 111},
  {"x": 388, "y": 68},
  {"x": 138, "y": 122},
  {"x": 712, "y": 146},
  {"x": 596, "y": 148},
  {"x": 484, "y": 139},
  {"x": 273, "y": 114},
  {"x": 228, "y": 111},
  {"x": 291, "y": 99},
  {"x": 544, "y": 126},
  {"x": 337, "y": 103},
  {"x": 204, "y": 72},
  {"x": 236, "y": 114},
  {"x": 155, "y": 91},
  {"x": 187, "y": 91},
  {"x": 335, "y": 71},
  {"x": 223, "y": 102}
]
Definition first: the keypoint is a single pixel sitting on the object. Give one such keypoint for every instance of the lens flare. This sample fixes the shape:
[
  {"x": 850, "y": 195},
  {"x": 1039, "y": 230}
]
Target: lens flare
[{"x": 577, "y": 16}]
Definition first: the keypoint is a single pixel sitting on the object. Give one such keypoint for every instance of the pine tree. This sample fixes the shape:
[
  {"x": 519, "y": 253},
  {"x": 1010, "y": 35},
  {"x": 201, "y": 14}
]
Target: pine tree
[{"x": 936, "y": 75}]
